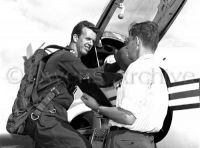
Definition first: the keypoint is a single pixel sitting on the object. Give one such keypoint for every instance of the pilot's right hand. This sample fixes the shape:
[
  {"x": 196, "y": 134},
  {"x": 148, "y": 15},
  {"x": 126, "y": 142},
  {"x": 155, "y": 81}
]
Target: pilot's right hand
[{"x": 89, "y": 101}]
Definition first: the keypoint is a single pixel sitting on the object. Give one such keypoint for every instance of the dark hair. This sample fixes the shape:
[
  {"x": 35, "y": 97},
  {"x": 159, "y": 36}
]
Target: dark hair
[
  {"x": 78, "y": 28},
  {"x": 147, "y": 31}
]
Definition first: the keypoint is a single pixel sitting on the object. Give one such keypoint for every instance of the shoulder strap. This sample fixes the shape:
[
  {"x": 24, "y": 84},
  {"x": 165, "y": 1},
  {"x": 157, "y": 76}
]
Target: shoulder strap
[
  {"x": 35, "y": 97},
  {"x": 57, "y": 47}
]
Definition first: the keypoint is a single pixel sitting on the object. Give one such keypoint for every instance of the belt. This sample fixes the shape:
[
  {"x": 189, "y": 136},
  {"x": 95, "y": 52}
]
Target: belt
[{"x": 116, "y": 128}]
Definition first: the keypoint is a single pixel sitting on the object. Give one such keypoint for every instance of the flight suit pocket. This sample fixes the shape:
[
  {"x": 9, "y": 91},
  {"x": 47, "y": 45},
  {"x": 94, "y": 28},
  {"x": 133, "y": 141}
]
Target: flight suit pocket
[{"x": 47, "y": 120}]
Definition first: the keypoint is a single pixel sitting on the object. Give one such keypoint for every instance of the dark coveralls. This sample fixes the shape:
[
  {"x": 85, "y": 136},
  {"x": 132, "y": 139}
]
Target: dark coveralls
[{"x": 52, "y": 130}]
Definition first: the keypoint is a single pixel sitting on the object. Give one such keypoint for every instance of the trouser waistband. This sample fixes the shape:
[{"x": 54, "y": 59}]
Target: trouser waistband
[{"x": 115, "y": 128}]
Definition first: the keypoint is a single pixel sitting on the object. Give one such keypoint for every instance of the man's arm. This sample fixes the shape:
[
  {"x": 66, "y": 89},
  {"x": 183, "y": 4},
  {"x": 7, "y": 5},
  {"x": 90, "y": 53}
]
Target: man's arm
[
  {"x": 70, "y": 63},
  {"x": 114, "y": 113},
  {"x": 117, "y": 114}
]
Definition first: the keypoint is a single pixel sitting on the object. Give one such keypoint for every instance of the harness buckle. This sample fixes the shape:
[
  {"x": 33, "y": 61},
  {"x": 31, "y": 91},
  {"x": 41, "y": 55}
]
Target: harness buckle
[{"x": 34, "y": 117}]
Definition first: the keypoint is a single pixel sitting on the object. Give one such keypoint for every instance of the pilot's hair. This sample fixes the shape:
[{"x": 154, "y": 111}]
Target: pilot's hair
[
  {"x": 78, "y": 28},
  {"x": 147, "y": 31}
]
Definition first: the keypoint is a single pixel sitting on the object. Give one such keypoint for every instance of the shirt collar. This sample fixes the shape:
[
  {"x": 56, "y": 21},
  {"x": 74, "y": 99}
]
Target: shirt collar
[{"x": 146, "y": 56}]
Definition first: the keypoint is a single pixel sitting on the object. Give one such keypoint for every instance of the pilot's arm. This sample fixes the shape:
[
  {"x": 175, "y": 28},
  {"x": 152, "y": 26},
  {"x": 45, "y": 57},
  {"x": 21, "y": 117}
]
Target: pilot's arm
[{"x": 71, "y": 64}]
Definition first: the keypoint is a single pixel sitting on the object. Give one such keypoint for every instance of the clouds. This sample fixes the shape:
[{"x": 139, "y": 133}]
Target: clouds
[
  {"x": 37, "y": 21},
  {"x": 58, "y": 14}
]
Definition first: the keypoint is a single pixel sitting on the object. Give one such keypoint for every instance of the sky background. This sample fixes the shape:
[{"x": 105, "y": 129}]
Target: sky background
[{"x": 37, "y": 21}]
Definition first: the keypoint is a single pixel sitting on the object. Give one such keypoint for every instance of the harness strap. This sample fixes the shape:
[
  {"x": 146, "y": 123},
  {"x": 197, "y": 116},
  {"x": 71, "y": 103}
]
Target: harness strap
[
  {"x": 35, "y": 97},
  {"x": 43, "y": 104}
]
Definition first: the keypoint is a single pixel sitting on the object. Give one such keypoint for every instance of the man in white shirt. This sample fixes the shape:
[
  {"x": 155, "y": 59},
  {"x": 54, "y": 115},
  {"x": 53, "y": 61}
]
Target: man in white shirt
[{"x": 142, "y": 99}]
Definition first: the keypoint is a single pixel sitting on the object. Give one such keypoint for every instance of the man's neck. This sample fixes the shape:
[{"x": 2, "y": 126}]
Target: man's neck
[{"x": 145, "y": 51}]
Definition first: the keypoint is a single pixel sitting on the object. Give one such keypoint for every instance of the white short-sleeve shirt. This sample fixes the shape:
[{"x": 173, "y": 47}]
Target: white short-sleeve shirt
[{"x": 144, "y": 93}]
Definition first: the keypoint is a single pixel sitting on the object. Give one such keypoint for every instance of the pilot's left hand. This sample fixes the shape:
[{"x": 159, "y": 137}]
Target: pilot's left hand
[{"x": 90, "y": 102}]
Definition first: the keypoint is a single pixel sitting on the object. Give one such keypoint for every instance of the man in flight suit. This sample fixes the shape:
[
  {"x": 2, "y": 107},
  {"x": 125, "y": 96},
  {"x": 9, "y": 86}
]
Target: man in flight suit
[{"x": 64, "y": 68}]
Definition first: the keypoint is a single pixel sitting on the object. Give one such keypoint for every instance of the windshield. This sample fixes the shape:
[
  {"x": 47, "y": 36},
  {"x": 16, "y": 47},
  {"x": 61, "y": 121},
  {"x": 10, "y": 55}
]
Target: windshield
[{"x": 134, "y": 10}]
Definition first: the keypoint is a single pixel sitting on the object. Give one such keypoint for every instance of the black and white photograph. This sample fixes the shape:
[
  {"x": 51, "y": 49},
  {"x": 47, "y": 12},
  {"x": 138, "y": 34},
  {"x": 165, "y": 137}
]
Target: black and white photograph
[{"x": 99, "y": 74}]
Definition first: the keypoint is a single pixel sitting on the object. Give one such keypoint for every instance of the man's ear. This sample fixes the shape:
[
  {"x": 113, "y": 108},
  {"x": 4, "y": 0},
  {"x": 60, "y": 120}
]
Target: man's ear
[
  {"x": 75, "y": 38},
  {"x": 137, "y": 43}
]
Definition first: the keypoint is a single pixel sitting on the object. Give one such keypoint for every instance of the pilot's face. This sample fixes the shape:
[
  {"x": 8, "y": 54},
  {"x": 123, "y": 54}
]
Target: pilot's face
[{"x": 85, "y": 41}]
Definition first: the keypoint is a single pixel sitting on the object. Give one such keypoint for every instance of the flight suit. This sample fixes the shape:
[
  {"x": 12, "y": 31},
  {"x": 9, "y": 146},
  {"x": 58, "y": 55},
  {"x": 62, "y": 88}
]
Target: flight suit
[{"x": 52, "y": 129}]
